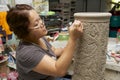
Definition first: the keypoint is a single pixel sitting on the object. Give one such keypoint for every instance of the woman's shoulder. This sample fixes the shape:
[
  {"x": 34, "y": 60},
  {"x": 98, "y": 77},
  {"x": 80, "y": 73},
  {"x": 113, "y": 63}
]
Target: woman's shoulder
[
  {"x": 27, "y": 46},
  {"x": 26, "y": 49}
]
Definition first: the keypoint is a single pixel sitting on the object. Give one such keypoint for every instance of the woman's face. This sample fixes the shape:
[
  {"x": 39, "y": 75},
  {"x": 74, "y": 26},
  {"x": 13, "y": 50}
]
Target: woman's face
[{"x": 37, "y": 27}]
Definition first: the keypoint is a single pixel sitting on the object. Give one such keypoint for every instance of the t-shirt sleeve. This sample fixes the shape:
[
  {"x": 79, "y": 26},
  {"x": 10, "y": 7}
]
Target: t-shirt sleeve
[{"x": 30, "y": 59}]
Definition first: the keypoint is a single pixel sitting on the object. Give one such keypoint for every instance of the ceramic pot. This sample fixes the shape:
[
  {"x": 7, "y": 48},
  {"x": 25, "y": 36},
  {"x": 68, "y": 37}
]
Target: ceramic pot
[{"x": 90, "y": 53}]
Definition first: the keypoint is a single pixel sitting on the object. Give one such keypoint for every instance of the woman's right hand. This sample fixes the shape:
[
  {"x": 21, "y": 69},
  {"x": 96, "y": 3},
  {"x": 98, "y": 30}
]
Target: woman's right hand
[{"x": 75, "y": 30}]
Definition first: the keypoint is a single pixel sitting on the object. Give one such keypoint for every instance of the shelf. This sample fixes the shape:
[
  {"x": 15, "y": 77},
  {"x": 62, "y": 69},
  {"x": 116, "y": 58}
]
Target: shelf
[{"x": 65, "y": 8}]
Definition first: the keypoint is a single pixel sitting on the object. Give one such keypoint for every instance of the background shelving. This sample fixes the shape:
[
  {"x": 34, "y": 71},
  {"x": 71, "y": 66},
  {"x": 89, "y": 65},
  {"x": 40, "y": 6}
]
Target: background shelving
[{"x": 65, "y": 9}]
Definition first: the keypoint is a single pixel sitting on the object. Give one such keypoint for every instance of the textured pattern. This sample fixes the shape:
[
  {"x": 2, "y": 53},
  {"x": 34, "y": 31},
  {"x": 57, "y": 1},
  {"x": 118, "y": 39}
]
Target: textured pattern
[{"x": 90, "y": 52}]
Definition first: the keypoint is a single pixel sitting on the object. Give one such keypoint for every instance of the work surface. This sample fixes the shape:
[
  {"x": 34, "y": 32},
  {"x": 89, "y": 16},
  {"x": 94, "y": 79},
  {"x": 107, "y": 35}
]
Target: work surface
[{"x": 110, "y": 62}]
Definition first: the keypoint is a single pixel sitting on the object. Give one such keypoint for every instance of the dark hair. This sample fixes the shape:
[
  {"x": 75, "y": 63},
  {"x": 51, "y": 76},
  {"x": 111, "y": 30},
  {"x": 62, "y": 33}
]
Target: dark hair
[{"x": 18, "y": 20}]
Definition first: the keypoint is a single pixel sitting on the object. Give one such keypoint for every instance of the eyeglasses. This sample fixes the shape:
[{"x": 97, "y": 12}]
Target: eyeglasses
[{"x": 40, "y": 25}]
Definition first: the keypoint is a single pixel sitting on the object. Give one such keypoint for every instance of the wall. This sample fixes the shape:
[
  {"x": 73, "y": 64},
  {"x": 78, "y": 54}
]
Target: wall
[{"x": 93, "y": 5}]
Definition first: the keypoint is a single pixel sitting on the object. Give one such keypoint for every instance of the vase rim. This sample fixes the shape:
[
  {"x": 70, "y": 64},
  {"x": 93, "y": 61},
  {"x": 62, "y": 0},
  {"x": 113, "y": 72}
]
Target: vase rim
[{"x": 93, "y": 14}]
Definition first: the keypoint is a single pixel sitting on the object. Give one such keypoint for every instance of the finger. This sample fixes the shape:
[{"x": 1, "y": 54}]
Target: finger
[
  {"x": 81, "y": 25},
  {"x": 80, "y": 28},
  {"x": 77, "y": 23}
]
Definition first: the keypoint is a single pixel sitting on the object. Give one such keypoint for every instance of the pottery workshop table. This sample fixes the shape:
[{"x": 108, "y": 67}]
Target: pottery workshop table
[{"x": 112, "y": 71}]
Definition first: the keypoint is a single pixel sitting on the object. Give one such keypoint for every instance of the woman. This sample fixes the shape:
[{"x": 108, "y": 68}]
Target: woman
[{"x": 36, "y": 58}]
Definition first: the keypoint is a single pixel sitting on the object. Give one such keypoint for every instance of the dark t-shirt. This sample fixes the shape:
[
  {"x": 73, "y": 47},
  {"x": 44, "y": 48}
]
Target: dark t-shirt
[{"x": 28, "y": 55}]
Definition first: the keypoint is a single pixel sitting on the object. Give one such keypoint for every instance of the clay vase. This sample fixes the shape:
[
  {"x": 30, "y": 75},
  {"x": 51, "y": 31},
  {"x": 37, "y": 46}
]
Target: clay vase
[{"x": 90, "y": 54}]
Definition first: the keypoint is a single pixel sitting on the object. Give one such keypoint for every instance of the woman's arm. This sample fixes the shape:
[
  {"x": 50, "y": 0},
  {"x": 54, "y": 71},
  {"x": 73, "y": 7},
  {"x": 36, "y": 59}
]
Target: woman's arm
[
  {"x": 57, "y": 51},
  {"x": 59, "y": 67}
]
